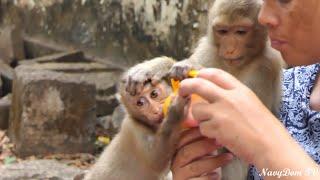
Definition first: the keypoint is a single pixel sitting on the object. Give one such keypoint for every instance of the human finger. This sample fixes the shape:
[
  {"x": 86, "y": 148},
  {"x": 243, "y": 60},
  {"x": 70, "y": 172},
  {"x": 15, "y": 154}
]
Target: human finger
[
  {"x": 194, "y": 151},
  {"x": 208, "y": 128},
  {"x": 219, "y": 77},
  {"x": 189, "y": 136},
  {"x": 202, "y": 87},
  {"x": 202, "y": 166},
  {"x": 202, "y": 111}
]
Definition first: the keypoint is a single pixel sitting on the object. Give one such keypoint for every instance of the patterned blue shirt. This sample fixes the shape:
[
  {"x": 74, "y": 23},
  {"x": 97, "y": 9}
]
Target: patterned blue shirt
[{"x": 302, "y": 123}]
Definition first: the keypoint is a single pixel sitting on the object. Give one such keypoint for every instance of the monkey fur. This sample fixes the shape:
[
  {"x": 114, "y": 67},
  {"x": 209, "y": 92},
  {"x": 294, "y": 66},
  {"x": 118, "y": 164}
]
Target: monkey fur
[
  {"x": 236, "y": 43},
  {"x": 146, "y": 142}
]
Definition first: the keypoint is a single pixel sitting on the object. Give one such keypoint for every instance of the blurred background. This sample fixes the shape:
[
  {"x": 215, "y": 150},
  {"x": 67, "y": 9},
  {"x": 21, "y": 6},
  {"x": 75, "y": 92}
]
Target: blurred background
[{"x": 120, "y": 31}]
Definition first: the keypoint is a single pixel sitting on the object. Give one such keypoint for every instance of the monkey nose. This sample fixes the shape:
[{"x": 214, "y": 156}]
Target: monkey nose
[
  {"x": 230, "y": 52},
  {"x": 157, "y": 113}
]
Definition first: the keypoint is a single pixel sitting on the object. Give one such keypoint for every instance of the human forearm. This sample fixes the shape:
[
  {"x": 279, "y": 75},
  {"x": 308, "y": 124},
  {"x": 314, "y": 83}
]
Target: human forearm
[{"x": 283, "y": 157}]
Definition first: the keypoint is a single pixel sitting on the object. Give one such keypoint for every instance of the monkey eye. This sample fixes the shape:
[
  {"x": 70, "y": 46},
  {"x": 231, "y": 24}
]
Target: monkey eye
[
  {"x": 241, "y": 32},
  {"x": 222, "y": 31},
  {"x": 141, "y": 102},
  {"x": 284, "y": 1},
  {"x": 154, "y": 94}
]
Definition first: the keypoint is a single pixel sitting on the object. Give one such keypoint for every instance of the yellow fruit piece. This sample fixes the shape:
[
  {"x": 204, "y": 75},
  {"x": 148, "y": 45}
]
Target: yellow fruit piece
[
  {"x": 193, "y": 73},
  {"x": 196, "y": 98},
  {"x": 104, "y": 140},
  {"x": 166, "y": 105},
  {"x": 175, "y": 86}
]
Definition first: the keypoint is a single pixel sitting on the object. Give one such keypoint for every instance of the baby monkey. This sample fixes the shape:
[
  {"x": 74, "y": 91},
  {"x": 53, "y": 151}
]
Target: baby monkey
[{"x": 146, "y": 142}]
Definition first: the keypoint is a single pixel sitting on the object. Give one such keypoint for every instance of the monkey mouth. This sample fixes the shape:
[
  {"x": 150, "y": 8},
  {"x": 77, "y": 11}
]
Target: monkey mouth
[
  {"x": 157, "y": 120},
  {"x": 234, "y": 61}
]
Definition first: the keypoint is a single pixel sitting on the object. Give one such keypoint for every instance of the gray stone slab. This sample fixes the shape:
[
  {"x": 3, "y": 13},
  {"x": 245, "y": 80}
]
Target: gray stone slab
[{"x": 51, "y": 113}]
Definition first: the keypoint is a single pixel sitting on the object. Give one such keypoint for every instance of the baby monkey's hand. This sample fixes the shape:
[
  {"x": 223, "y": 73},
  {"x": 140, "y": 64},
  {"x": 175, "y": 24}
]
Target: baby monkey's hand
[
  {"x": 180, "y": 70},
  {"x": 177, "y": 108},
  {"x": 152, "y": 71}
]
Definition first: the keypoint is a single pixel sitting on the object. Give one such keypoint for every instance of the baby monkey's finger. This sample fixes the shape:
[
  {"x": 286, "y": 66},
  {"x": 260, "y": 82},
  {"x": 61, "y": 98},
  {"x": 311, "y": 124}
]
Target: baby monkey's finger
[
  {"x": 132, "y": 88},
  {"x": 155, "y": 81},
  {"x": 128, "y": 84},
  {"x": 183, "y": 71},
  {"x": 175, "y": 73},
  {"x": 139, "y": 87}
]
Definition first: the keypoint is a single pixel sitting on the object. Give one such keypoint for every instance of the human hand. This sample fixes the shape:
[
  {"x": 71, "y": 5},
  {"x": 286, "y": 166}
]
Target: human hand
[
  {"x": 238, "y": 120},
  {"x": 234, "y": 116},
  {"x": 195, "y": 158}
]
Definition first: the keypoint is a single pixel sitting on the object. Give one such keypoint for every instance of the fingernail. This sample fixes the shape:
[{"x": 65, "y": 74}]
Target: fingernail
[
  {"x": 215, "y": 176},
  {"x": 229, "y": 156},
  {"x": 218, "y": 144}
]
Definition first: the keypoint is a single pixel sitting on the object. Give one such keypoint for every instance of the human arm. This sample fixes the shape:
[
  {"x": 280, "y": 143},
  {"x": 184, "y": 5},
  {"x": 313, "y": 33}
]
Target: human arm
[{"x": 236, "y": 118}]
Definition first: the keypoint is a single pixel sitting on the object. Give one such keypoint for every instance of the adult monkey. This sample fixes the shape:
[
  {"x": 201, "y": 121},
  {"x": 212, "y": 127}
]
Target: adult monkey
[{"x": 237, "y": 43}]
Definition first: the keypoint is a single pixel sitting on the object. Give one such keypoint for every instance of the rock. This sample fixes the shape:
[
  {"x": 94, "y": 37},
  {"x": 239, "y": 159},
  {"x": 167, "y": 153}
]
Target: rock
[
  {"x": 5, "y": 104},
  {"x": 105, "y": 122},
  {"x": 72, "y": 56},
  {"x": 126, "y": 31},
  {"x": 37, "y": 47},
  {"x": 106, "y": 105},
  {"x": 112, "y": 123},
  {"x": 38, "y": 170},
  {"x": 100, "y": 75},
  {"x": 11, "y": 44},
  {"x": 6, "y": 74},
  {"x": 51, "y": 112},
  {"x": 79, "y": 67},
  {"x": 118, "y": 116}
]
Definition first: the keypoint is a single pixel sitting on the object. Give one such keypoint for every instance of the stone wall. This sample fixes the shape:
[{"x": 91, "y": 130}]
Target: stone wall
[{"x": 121, "y": 31}]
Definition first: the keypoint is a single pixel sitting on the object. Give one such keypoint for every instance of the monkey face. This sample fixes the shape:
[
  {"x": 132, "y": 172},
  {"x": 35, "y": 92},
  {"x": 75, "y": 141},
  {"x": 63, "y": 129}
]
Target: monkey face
[
  {"x": 147, "y": 106},
  {"x": 233, "y": 41},
  {"x": 234, "y": 31}
]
